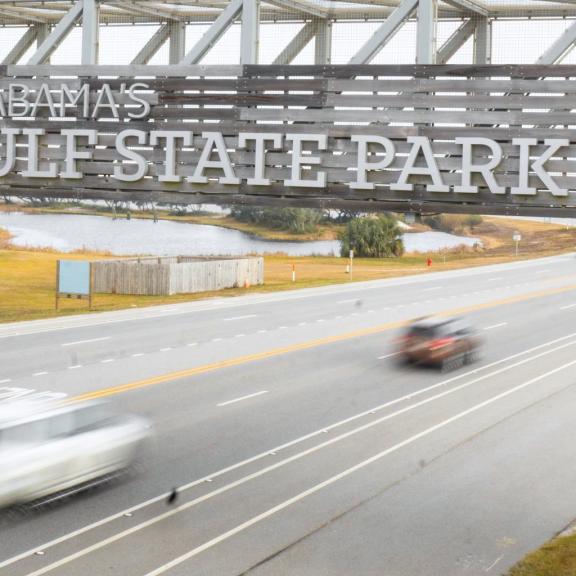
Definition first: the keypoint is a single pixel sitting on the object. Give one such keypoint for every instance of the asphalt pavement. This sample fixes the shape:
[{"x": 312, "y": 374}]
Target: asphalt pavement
[{"x": 300, "y": 445}]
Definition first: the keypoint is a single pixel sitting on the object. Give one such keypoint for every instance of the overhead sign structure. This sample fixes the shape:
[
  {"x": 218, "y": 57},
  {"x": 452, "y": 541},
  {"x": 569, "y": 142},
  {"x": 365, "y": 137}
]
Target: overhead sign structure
[{"x": 409, "y": 138}]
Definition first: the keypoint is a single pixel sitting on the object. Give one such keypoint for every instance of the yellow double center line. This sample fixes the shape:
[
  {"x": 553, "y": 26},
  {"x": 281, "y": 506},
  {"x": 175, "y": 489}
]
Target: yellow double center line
[{"x": 306, "y": 346}]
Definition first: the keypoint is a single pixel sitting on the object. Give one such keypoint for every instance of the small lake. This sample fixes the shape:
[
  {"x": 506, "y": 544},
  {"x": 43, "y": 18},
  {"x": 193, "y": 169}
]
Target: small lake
[{"x": 68, "y": 232}]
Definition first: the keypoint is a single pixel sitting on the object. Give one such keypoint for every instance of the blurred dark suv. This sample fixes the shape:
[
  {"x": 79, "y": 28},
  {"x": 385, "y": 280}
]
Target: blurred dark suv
[{"x": 444, "y": 342}]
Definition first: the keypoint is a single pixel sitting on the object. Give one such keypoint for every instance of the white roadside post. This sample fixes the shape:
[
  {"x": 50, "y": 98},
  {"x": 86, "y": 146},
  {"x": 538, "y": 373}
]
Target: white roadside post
[
  {"x": 517, "y": 237},
  {"x": 351, "y": 262}
]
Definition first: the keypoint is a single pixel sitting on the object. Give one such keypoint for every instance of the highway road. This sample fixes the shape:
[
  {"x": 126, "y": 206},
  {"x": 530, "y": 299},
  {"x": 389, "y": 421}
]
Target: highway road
[{"x": 298, "y": 443}]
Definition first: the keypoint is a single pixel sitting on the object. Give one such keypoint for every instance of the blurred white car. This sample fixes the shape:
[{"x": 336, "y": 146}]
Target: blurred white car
[{"x": 46, "y": 450}]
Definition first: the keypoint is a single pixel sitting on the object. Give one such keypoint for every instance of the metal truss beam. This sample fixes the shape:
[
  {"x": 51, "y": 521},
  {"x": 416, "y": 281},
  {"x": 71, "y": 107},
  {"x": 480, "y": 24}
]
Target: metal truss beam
[
  {"x": 384, "y": 33},
  {"x": 297, "y": 44},
  {"x": 147, "y": 10},
  {"x": 560, "y": 47},
  {"x": 153, "y": 45},
  {"x": 90, "y": 32},
  {"x": 299, "y": 6},
  {"x": 58, "y": 34},
  {"x": 455, "y": 42},
  {"x": 469, "y": 6},
  {"x": 21, "y": 46},
  {"x": 250, "y": 35},
  {"x": 214, "y": 33}
]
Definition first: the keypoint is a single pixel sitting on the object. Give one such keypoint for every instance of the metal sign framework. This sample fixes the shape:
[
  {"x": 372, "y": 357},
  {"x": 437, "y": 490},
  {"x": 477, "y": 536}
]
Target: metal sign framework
[{"x": 489, "y": 139}]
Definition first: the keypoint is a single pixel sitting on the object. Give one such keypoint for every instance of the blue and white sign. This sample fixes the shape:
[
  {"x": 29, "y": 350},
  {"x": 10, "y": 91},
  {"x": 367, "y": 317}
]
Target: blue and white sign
[{"x": 74, "y": 277}]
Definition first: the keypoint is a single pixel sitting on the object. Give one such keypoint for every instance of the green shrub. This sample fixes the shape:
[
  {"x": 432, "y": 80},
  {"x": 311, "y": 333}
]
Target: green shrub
[{"x": 372, "y": 238}]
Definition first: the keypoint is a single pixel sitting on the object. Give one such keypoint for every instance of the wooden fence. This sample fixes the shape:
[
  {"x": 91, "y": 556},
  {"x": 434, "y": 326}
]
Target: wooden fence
[
  {"x": 437, "y": 102},
  {"x": 175, "y": 275}
]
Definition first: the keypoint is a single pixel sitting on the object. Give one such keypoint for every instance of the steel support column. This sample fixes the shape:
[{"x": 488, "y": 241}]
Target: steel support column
[
  {"x": 483, "y": 41},
  {"x": 177, "y": 32},
  {"x": 426, "y": 32},
  {"x": 90, "y": 31},
  {"x": 323, "y": 42},
  {"x": 250, "y": 40}
]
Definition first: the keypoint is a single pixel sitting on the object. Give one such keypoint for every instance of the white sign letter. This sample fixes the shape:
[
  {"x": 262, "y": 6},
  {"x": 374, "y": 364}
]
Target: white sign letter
[
  {"x": 298, "y": 160},
  {"x": 420, "y": 143},
  {"x": 363, "y": 165},
  {"x": 484, "y": 169},
  {"x": 72, "y": 152},
  {"x": 10, "y": 155},
  {"x": 170, "y": 159},
  {"x": 537, "y": 166},
  {"x": 259, "y": 154},
  {"x": 15, "y": 100},
  {"x": 214, "y": 141},
  {"x": 138, "y": 159},
  {"x": 33, "y": 170}
]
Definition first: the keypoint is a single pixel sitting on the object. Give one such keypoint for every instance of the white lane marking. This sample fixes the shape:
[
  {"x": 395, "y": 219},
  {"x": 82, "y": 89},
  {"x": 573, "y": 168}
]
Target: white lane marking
[
  {"x": 243, "y": 398},
  {"x": 494, "y": 279},
  {"x": 165, "y": 349},
  {"x": 349, "y": 301},
  {"x": 76, "y": 366},
  {"x": 388, "y": 355},
  {"x": 39, "y": 373},
  {"x": 302, "y": 323},
  {"x": 493, "y": 563},
  {"x": 191, "y": 344},
  {"x": 107, "y": 361},
  {"x": 5, "y": 381},
  {"x": 234, "y": 318},
  {"x": 541, "y": 272},
  {"x": 433, "y": 288},
  {"x": 216, "y": 339},
  {"x": 349, "y": 471},
  {"x": 282, "y": 327},
  {"x": 272, "y": 467},
  {"x": 320, "y": 320},
  {"x": 493, "y": 326},
  {"x": 567, "y": 307},
  {"x": 78, "y": 342},
  {"x": 138, "y": 354},
  {"x": 262, "y": 331},
  {"x": 240, "y": 336}
]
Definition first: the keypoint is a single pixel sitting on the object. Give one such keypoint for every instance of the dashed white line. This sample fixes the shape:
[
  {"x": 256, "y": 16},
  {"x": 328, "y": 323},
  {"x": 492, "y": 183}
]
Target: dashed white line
[
  {"x": 107, "y": 361},
  {"x": 191, "y": 344},
  {"x": 349, "y": 301},
  {"x": 262, "y": 331},
  {"x": 5, "y": 381},
  {"x": 432, "y": 288},
  {"x": 493, "y": 564},
  {"x": 165, "y": 349},
  {"x": 39, "y": 373},
  {"x": 388, "y": 355},
  {"x": 234, "y": 318},
  {"x": 496, "y": 326},
  {"x": 216, "y": 339},
  {"x": 302, "y": 323},
  {"x": 243, "y": 398},
  {"x": 320, "y": 320},
  {"x": 567, "y": 307},
  {"x": 494, "y": 279},
  {"x": 282, "y": 327},
  {"x": 78, "y": 342},
  {"x": 75, "y": 367},
  {"x": 138, "y": 354},
  {"x": 239, "y": 335}
]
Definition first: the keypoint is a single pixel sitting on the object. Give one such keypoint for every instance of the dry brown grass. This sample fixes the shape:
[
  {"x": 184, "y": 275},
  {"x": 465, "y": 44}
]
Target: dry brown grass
[{"x": 556, "y": 558}]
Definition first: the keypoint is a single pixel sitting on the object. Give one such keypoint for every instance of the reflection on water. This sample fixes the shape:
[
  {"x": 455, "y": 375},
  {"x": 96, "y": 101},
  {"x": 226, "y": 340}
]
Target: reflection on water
[{"x": 71, "y": 232}]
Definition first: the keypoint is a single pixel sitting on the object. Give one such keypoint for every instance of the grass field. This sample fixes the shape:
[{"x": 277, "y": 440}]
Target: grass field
[
  {"x": 556, "y": 558},
  {"x": 27, "y": 277}
]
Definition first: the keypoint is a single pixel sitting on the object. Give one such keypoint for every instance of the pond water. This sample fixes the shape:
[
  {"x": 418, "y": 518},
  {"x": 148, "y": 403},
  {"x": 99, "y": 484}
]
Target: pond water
[{"x": 67, "y": 232}]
